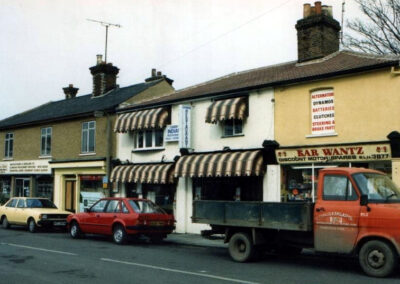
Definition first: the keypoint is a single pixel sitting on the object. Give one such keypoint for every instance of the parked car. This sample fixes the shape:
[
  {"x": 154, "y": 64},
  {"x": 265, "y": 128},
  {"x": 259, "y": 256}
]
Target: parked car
[
  {"x": 33, "y": 213},
  {"x": 120, "y": 217}
]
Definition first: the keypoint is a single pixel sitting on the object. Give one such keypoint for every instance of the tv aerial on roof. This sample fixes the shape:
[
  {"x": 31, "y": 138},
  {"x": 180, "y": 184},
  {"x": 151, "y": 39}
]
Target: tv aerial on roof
[{"x": 107, "y": 25}]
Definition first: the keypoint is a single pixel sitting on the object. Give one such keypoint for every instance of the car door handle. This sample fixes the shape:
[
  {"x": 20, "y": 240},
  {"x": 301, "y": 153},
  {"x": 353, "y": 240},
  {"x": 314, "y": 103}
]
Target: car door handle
[
  {"x": 320, "y": 209},
  {"x": 97, "y": 215},
  {"x": 115, "y": 216}
]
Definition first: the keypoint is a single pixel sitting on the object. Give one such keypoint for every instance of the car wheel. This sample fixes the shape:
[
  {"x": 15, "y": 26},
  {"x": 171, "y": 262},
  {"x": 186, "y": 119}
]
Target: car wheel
[
  {"x": 377, "y": 258},
  {"x": 32, "y": 227},
  {"x": 5, "y": 223},
  {"x": 75, "y": 230},
  {"x": 119, "y": 235},
  {"x": 241, "y": 248}
]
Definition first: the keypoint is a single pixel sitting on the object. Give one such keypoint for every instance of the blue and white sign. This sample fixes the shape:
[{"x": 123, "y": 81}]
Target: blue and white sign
[
  {"x": 172, "y": 133},
  {"x": 185, "y": 112}
]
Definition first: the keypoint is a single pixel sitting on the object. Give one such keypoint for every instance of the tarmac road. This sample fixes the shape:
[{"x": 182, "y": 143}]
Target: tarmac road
[{"x": 53, "y": 257}]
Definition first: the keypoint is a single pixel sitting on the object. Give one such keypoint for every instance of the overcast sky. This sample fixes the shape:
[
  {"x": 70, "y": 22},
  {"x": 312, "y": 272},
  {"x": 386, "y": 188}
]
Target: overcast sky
[{"x": 48, "y": 44}]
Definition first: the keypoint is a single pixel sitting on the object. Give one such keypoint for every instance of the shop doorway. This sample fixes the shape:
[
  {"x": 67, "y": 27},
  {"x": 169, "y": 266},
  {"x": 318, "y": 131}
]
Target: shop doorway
[
  {"x": 22, "y": 187},
  {"x": 70, "y": 195}
]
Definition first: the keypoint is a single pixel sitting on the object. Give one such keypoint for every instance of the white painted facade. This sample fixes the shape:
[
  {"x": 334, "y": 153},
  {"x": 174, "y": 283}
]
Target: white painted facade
[{"x": 257, "y": 127}]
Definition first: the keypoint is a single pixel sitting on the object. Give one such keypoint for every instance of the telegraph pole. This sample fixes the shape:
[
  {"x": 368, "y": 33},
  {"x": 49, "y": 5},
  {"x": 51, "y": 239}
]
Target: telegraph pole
[{"x": 107, "y": 25}]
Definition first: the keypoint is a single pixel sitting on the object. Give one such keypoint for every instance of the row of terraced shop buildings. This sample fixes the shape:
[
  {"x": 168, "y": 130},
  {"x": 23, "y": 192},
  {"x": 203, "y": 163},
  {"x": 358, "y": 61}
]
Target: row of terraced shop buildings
[{"x": 257, "y": 135}]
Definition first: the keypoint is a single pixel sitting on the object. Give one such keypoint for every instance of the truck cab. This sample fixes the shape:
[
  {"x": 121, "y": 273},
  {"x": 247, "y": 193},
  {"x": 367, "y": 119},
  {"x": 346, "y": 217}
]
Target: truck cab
[{"x": 358, "y": 211}]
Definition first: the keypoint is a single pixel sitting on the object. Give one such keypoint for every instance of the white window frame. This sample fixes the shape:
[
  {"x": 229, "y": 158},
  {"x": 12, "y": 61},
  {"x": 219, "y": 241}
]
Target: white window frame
[
  {"x": 48, "y": 131},
  {"x": 153, "y": 139},
  {"x": 234, "y": 123},
  {"x": 9, "y": 145},
  {"x": 86, "y": 132}
]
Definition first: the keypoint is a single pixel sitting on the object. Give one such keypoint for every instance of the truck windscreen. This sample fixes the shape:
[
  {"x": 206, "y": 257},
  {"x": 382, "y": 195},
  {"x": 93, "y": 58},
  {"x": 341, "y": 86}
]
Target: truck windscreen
[{"x": 379, "y": 188}]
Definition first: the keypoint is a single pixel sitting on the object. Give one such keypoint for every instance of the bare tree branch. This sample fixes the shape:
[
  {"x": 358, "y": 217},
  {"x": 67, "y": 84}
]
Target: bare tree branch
[{"x": 380, "y": 32}]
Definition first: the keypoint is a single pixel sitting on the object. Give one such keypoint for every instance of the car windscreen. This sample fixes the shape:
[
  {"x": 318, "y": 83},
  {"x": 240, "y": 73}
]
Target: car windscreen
[
  {"x": 39, "y": 203},
  {"x": 379, "y": 188},
  {"x": 144, "y": 206}
]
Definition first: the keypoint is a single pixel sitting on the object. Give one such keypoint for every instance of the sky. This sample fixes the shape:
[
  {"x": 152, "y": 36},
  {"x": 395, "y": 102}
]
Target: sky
[{"x": 48, "y": 44}]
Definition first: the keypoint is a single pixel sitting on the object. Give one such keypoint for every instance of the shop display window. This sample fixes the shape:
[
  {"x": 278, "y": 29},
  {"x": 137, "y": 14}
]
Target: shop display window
[
  {"x": 161, "y": 194},
  {"x": 45, "y": 188}
]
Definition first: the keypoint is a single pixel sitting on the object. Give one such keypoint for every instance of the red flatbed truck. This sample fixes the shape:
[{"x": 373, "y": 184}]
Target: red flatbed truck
[{"x": 356, "y": 212}]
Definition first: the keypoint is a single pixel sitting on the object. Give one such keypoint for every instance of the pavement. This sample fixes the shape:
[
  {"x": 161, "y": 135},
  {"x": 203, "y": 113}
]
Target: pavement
[{"x": 197, "y": 240}]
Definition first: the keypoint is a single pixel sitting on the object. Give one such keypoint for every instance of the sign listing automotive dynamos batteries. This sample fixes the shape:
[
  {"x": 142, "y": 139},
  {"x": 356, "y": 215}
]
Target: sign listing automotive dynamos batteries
[
  {"x": 322, "y": 112},
  {"x": 348, "y": 153}
]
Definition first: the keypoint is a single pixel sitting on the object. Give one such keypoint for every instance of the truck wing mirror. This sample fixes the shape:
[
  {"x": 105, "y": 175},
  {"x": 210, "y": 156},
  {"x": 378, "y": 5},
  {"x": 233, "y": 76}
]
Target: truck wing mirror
[{"x": 364, "y": 200}]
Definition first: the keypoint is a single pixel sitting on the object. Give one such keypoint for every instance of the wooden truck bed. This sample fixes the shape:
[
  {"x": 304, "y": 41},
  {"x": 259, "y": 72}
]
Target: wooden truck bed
[{"x": 254, "y": 214}]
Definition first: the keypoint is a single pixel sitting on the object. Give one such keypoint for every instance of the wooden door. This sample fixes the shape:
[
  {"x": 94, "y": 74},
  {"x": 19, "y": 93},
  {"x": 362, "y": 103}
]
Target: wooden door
[{"x": 70, "y": 195}]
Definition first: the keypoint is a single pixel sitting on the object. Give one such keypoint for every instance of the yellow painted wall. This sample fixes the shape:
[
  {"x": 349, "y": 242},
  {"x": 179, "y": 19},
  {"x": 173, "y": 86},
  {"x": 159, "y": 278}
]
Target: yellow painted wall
[{"x": 366, "y": 109}]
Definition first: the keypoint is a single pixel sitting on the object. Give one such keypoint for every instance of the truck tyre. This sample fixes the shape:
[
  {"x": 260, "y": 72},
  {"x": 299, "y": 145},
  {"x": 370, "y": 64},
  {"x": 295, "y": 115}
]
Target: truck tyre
[
  {"x": 377, "y": 258},
  {"x": 241, "y": 248}
]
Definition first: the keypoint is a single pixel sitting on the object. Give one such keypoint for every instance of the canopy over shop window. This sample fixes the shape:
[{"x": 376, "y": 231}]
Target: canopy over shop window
[
  {"x": 144, "y": 173},
  {"x": 243, "y": 163},
  {"x": 235, "y": 108},
  {"x": 143, "y": 119}
]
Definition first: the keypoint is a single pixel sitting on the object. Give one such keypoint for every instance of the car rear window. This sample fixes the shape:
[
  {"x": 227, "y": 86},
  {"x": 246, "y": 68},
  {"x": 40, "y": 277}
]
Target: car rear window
[{"x": 144, "y": 206}]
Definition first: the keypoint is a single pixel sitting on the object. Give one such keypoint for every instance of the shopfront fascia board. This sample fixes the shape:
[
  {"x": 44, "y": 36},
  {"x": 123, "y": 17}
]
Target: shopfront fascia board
[
  {"x": 25, "y": 167},
  {"x": 83, "y": 164},
  {"x": 335, "y": 153}
]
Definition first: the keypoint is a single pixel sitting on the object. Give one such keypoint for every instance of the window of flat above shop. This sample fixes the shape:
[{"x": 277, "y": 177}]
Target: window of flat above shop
[
  {"x": 322, "y": 112},
  {"x": 149, "y": 139},
  {"x": 233, "y": 127},
  {"x": 88, "y": 137},
  {"x": 9, "y": 145},
  {"x": 45, "y": 141}
]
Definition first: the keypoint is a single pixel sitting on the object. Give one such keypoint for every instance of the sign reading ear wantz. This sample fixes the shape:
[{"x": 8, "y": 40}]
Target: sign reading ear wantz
[{"x": 322, "y": 112}]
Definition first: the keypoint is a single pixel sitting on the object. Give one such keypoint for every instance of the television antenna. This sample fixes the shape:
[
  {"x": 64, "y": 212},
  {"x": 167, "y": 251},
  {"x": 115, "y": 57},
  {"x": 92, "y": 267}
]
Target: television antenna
[
  {"x": 342, "y": 27},
  {"x": 107, "y": 25}
]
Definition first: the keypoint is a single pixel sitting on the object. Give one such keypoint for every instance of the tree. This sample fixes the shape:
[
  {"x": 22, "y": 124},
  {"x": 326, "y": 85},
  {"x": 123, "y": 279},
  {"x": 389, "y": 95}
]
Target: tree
[{"x": 380, "y": 32}]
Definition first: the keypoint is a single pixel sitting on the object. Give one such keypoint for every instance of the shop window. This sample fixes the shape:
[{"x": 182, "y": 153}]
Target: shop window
[
  {"x": 45, "y": 140},
  {"x": 9, "y": 145},
  {"x": 338, "y": 188},
  {"x": 88, "y": 137},
  {"x": 45, "y": 188},
  {"x": 149, "y": 139},
  {"x": 233, "y": 127},
  {"x": 5, "y": 187},
  {"x": 160, "y": 194},
  {"x": 228, "y": 189}
]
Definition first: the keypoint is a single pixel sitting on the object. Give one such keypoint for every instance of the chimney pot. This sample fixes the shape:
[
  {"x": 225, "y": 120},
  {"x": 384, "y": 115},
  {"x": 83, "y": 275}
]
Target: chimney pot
[
  {"x": 159, "y": 73},
  {"x": 306, "y": 10},
  {"x": 318, "y": 8},
  {"x": 70, "y": 92},
  {"x": 99, "y": 59},
  {"x": 153, "y": 72}
]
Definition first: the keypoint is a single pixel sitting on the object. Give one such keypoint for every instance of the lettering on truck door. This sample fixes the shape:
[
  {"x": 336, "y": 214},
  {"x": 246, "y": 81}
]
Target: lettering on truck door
[{"x": 336, "y": 215}]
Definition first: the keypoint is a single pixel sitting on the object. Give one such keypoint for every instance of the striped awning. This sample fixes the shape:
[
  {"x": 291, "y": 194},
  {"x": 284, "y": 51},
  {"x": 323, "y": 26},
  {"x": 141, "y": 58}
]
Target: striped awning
[
  {"x": 144, "y": 173},
  {"x": 235, "y": 108},
  {"x": 143, "y": 119},
  {"x": 226, "y": 164}
]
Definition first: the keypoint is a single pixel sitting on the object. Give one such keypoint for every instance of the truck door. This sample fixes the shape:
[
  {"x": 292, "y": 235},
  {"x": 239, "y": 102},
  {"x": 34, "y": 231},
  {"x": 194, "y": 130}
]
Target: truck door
[{"x": 336, "y": 215}]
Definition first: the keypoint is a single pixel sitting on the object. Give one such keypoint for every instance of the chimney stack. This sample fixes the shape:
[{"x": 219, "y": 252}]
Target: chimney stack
[
  {"x": 70, "y": 92},
  {"x": 317, "y": 32},
  {"x": 157, "y": 75},
  {"x": 104, "y": 77}
]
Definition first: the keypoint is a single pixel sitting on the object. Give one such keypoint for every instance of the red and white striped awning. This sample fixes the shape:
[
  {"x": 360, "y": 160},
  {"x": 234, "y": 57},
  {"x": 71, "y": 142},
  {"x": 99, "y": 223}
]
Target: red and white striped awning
[
  {"x": 144, "y": 173},
  {"x": 143, "y": 119}
]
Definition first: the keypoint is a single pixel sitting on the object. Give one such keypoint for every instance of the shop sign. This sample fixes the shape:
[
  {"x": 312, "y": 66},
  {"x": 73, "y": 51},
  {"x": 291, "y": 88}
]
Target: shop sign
[
  {"x": 91, "y": 178},
  {"x": 172, "y": 133},
  {"x": 322, "y": 112},
  {"x": 348, "y": 153},
  {"x": 185, "y": 126},
  {"x": 25, "y": 167}
]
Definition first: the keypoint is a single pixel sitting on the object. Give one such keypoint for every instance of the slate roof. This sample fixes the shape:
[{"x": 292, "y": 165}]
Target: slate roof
[
  {"x": 335, "y": 64},
  {"x": 75, "y": 107}
]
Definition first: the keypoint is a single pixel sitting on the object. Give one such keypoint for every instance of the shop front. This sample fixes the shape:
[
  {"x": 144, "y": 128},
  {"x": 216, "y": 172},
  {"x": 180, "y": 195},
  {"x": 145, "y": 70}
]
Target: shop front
[
  {"x": 29, "y": 178},
  {"x": 79, "y": 184},
  {"x": 300, "y": 165},
  {"x": 153, "y": 181}
]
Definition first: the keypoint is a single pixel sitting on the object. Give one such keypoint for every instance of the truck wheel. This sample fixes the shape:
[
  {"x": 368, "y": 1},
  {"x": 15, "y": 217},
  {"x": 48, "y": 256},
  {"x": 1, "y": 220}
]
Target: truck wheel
[
  {"x": 32, "y": 227},
  {"x": 241, "y": 248},
  {"x": 5, "y": 223},
  {"x": 377, "y": 258},
  {"x": 119, "y": 235}
]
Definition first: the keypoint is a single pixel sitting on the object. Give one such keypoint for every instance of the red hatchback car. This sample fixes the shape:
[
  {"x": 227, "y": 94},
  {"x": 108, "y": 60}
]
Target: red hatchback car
[{"x": 121, "y": 217}]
